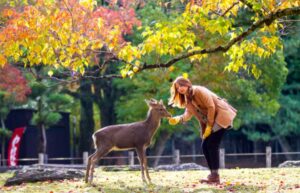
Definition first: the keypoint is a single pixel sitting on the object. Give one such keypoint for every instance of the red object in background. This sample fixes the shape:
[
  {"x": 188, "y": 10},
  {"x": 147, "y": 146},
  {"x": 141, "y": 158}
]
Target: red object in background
[{"x": 13, "y": 148}]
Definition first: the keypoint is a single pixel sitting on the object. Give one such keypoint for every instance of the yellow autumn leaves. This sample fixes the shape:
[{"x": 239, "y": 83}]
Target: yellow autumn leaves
[
  {"x": 202, "y": 27},
  {"x": 47, "y": 34},
  {"x": 261, "y": 46},
  {"x": 70, "y": 38}
]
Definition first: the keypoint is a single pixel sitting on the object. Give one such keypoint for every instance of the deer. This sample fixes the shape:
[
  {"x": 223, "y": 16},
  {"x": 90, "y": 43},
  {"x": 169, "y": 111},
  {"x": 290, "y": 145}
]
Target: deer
[{"x": 137, "y": 135}]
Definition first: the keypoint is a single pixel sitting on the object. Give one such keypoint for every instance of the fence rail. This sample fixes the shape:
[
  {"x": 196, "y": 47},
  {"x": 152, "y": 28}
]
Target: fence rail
[{"x": 176, "y": 157}]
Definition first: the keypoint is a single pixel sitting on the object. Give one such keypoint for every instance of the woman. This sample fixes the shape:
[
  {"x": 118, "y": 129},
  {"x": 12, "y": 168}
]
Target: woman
[{"x": 214, "y": 114}]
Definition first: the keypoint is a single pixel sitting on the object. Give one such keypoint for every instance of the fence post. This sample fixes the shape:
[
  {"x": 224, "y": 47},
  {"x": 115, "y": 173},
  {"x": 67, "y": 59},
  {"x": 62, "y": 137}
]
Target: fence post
[
  {"x": 176, "y": 157},
  {"x": 41, "y": 158},
  {"x": 85, "y": 157},
  {"x": 131, "y": 158},
  {"x": 222, "y": 158},
  {"x": 268, "y": 156},
  {"x": 45, "y": 158}
]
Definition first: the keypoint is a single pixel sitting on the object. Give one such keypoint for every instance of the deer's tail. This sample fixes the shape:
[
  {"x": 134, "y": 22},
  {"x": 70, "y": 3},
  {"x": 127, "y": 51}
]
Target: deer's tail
[{"x": 94, "y": 140}]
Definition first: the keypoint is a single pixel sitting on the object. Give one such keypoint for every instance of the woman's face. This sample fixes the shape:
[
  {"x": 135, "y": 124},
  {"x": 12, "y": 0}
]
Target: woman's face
[{"x": 181, "y": 89}]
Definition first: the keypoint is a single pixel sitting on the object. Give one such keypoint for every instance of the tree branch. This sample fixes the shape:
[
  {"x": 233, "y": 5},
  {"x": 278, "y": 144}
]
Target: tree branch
[
  {"x": 249, "y": 5},
  {"x": 266, "y": 20},
  {"x": 226, "y": 11}
]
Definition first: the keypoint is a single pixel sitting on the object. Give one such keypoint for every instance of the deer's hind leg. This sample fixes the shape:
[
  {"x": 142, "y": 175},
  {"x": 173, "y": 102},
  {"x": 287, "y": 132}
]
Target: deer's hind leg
[
  {"x": 88, "y": 167},
  {"x": 94, "y": 160}
]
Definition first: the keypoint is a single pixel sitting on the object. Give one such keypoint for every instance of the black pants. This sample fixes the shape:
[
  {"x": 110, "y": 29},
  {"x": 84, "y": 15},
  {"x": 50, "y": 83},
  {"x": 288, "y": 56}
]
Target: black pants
[{"x": 210, "y": 147}]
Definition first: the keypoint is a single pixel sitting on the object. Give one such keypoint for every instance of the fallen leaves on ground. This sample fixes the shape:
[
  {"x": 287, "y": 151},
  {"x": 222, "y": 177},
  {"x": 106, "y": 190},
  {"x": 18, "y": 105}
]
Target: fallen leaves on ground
[{"x": 283, "y": 180}]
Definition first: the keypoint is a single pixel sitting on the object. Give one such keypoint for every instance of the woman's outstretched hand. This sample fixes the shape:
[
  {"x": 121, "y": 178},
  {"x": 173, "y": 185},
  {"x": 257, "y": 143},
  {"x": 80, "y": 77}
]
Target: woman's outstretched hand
[
  {"x": 207, "y": 132},
  {"x": 174, "y": 120}
]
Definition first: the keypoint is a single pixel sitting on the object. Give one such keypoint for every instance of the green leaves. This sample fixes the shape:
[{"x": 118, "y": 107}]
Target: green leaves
[
  {"x": 46, "y": 118},
  {"x": 48, "y": 104},
  {"x": 200, "y": 29},
  {"x": 38, "y": 89},
  {"x": 257, "y": 136},
  {"x": 5, "y": 104},
  {"x": 5, "y": 132},
  {"x": 60, "y": 102}
]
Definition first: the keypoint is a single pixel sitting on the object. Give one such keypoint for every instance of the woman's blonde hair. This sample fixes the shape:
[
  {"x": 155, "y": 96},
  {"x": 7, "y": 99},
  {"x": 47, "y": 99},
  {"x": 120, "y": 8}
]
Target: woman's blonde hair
[{"x": 176, "y": 99}]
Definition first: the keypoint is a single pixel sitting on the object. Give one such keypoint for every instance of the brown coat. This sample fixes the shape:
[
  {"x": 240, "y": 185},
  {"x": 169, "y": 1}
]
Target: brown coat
[{"x": 210, "y": 108}]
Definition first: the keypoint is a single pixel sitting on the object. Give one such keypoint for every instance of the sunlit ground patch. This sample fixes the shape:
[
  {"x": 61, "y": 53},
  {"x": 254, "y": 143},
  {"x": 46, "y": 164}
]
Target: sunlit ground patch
[{"x": 232, "y": 180}]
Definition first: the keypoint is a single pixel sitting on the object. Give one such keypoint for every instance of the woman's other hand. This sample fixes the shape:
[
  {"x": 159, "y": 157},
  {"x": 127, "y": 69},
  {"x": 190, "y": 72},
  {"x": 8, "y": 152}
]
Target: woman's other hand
[{"x": 207, "y": 132}]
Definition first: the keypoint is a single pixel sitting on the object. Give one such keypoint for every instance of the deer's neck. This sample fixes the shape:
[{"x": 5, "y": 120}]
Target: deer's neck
[{"x": 152, "y": 121}]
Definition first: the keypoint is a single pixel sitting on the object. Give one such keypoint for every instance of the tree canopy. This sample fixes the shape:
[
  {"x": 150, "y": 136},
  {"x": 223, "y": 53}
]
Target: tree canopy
[
  {"x": 63, "y": 34},
  {"x": 70, "y": 34}
]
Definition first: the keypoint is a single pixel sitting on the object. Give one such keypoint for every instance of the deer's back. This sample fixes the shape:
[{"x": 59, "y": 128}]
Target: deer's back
[{"x": 124, "y": 136}]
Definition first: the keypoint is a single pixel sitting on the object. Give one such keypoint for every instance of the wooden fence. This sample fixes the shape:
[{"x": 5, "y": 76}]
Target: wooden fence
[{"x": 176, "y": 157}]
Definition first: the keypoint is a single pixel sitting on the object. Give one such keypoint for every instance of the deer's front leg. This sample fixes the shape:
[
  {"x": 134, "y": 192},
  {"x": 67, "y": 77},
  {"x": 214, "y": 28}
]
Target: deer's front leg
[
  {"x": 146, "y": 165},
  {"x": 141, "y": 155}
]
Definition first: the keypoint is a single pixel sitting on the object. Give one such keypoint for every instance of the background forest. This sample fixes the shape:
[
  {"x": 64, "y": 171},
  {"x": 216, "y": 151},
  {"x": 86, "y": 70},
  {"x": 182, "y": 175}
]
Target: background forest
[{"x": 58, "y": 56}]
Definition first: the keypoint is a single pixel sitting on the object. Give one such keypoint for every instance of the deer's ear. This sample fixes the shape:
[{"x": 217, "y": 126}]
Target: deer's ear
[
  {"x": 147, "y": 101},
  {"x": 161, "y": 102},
  {"x": 153, "y": 100}
]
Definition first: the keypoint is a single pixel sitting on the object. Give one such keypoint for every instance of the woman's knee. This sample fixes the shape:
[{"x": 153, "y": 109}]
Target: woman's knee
[
  {"x": 204, "y": 145},
  {"x": 209, "y": 144}
]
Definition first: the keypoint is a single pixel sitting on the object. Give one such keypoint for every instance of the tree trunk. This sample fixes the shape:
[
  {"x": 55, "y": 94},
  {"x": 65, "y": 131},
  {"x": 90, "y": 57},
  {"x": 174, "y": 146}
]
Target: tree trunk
[
  {"x": 105, "y": 96},
  {"x": 105, "y": 99},
  {"x": 285, "y": 146},
  {"x": 298, "y": 148},
  {"x": 39, "y": 139},
  {"x": 86, "y": 116},
  {"x": 44, "y": 140},
  {"x": 3, "y": 151},
  {"x": 3, "y": 144},
  {"x": 160, "y": 146},
  {"x": 42, "y": 174},
  {"x": 193, "y": 151},
  {"x": 235, "y": 149},
  {"x": 255, "y": 150},
  {"x": 41, "y": 128}
]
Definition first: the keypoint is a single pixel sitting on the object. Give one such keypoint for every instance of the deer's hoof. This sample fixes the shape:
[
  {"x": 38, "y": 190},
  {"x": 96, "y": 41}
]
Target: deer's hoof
[
  {"x": 90, "y": 181},
  {"x": 151, "y": 184}
]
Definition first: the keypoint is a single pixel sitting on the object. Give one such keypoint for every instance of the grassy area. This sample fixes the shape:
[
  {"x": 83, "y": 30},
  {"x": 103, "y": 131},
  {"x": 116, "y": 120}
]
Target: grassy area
[{"x": 233, "y": 180}]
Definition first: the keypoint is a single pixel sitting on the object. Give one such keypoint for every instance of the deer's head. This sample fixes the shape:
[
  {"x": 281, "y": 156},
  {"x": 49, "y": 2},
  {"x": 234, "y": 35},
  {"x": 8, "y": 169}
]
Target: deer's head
[{"x": 158, "y": 108}]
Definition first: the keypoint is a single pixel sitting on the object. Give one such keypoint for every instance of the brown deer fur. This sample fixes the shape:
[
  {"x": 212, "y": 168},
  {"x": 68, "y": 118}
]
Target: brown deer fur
[{"x": 135, "y": 135}]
